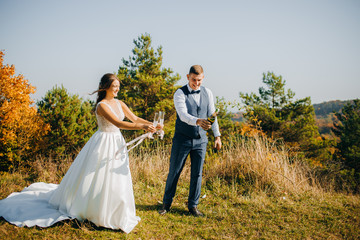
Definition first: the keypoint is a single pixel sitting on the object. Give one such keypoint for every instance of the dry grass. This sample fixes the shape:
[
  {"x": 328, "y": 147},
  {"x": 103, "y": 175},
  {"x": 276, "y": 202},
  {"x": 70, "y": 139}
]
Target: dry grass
[
  {"x": 262, "y": 165},
  {"x": 253, "y": 191},
  {"x": 255, "y": 164},
  {"x": 248, "y": 164}
]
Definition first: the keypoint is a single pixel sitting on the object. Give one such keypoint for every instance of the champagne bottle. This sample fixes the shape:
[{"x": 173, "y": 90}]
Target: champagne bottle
[{"x": 212, "y": 118}]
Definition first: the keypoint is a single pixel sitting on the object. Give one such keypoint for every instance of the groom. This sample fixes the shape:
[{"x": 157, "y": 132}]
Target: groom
[{"x": 193, "y": 104}]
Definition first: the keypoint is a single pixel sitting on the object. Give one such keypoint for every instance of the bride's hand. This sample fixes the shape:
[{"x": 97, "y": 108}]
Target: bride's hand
[
  {"x": 159, "y": 126},
  {"x": 149, "y": 128}
]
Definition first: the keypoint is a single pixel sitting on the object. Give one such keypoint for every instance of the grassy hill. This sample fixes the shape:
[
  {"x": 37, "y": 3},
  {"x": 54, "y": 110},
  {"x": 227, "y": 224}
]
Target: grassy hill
[{"x": 250, "y": 191}]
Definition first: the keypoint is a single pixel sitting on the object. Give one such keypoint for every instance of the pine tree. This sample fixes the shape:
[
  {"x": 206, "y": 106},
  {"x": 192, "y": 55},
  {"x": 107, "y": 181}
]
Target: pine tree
[
  {"x": 146, "y": 87},
  {"x": 347, "y": 128},
  {"x": 281, "y": 117},
  {"x": 71, "y": 119}
]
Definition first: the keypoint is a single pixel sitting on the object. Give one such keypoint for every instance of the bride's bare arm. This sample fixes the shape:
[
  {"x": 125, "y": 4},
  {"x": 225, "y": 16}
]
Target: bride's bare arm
[
  {"x": 131, "y": 116},
  {"x": 105, "y": 111}
]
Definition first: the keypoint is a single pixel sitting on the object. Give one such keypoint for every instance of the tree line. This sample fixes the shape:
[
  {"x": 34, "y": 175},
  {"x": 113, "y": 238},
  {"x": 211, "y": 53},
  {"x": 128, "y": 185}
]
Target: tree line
[{"x": 60, "y": 123}]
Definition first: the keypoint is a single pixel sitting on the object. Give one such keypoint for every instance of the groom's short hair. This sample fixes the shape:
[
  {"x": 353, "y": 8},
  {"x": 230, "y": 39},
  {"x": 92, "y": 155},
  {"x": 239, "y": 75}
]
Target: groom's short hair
[{"x": 196, "y": 69}]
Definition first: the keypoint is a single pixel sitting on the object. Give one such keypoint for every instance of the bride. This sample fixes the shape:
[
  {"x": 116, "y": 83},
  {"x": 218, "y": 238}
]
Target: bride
[{"x": 98, "y": 185}]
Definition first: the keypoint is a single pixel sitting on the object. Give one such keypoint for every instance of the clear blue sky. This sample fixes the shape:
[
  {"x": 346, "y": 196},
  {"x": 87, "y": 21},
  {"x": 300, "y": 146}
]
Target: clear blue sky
[{"x": 313, "y": 44}]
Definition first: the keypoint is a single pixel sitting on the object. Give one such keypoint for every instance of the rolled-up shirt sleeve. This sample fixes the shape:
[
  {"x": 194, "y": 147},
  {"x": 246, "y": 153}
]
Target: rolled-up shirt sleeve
[{"x": 181, "y": 109}]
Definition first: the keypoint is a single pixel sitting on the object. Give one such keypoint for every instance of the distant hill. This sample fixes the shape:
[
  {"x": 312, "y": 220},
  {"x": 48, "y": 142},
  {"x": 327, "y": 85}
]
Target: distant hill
[
  {"x": 238, "y": 117},
  {"x": 324, "y": 115},
  {"x": 323, "y": 111},
  {"x": 325, "y": 108}
]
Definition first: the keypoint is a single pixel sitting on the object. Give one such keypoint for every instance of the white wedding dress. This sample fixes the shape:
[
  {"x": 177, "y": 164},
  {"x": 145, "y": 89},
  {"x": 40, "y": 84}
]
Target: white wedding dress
[{"x": 97, "y": 187}]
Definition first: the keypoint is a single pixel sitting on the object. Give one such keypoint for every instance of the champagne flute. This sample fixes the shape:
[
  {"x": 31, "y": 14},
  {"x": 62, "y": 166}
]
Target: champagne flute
[
  {"x": 162, "y": 116},
  {"x": 156, "y": 119}
]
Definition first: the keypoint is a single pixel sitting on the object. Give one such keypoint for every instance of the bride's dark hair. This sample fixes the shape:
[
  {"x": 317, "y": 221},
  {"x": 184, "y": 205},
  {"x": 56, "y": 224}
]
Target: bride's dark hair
[{"x": 104, "y": 84}]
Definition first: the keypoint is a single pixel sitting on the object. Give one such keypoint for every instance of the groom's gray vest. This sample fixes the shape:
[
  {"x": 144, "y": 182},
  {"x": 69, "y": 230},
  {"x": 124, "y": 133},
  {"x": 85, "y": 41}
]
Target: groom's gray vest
[{"x": 193, "y": 132}]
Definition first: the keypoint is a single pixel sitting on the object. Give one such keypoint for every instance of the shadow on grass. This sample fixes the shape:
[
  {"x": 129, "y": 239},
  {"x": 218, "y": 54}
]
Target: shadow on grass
[
  {"x": 157, "y": 207},
  {"x": 71, "y": 223}
]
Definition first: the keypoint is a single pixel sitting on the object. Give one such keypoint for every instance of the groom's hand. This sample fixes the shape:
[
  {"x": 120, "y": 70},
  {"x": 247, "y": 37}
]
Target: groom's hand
[
  {"x": 203, "y": 123},
  {"x": 217, "y": 143}
]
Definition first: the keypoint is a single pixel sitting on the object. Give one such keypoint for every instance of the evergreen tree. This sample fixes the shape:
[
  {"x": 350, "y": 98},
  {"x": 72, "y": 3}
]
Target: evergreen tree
[
  {"x": 146, "y": 87},
  {"x": 71, "y": 119},
  {"x": 347, "y": 128},
  {"x": 281, "y": 117},
  {"x": 274, "y": 96}
]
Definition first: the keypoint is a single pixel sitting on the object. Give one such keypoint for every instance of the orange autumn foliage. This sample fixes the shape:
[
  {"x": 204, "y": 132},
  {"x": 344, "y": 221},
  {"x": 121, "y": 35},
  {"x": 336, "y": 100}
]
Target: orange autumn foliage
[{"x": 21, "y": 128}]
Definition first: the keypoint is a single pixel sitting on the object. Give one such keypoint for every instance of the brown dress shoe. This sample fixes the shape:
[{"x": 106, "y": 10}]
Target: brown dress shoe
[
  {"x": 164, "y": 209},
  {"x": 195, "y": 212}
]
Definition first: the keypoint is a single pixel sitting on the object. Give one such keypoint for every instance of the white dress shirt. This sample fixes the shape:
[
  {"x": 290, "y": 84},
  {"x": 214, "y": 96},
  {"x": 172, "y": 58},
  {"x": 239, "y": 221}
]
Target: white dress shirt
[{"x": 181, "y": 109}]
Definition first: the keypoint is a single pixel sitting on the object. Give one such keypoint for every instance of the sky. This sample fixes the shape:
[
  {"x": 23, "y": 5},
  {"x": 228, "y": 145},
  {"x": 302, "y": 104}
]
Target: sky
[{"x": 313, "y": 44}]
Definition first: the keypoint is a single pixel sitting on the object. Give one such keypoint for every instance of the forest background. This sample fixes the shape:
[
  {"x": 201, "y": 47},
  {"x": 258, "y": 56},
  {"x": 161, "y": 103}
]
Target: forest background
[{"x": 323, "y": 138}]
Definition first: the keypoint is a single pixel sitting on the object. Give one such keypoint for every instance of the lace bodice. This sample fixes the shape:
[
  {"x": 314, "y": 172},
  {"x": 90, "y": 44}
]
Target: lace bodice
[{"x": 104, "y": 124}]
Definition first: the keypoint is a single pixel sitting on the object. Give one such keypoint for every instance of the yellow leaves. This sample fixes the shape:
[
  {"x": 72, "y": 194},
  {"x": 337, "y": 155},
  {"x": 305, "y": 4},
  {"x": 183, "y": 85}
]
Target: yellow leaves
[
  {"x": 20, "y": 123},
  {"x": 251, "y": 130},
  {"x": 332, "y": 150},
  {"x": 316, "y": 163}
]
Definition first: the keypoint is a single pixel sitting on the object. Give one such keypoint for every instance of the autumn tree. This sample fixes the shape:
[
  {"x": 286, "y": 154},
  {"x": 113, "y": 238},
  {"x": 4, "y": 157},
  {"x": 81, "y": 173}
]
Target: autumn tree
[
  {"x": 71, "y": 119},
  {"x": 21, "y": 128},
  {"x": 146, "y": 86}
]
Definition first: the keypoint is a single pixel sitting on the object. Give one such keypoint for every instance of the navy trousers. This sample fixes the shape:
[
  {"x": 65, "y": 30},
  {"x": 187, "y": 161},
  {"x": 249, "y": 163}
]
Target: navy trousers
[{"x": 180, "y": 150}]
